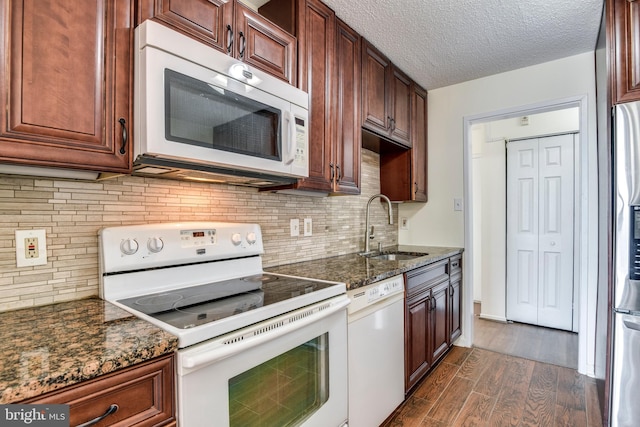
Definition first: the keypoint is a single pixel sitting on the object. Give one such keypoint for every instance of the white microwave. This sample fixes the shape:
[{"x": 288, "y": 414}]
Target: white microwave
[{"x": 203, "y": 115}]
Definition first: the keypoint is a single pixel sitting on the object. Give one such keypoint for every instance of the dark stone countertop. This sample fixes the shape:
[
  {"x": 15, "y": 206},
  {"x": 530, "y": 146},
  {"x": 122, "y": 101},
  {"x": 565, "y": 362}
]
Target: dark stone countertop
[
  {"x": 356, "y": 270},
  {"x": 50, "y": 347}
]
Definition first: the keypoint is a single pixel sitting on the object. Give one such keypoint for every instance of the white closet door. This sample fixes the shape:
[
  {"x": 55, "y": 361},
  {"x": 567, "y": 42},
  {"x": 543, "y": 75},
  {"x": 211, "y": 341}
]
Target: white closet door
[
  {"x": 522, "y": 231},
  {"x": 540, "y": 193}
]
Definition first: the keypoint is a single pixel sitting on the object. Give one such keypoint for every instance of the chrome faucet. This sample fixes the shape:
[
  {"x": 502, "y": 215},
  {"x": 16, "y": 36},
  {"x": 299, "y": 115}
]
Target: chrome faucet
[{"x": 369, "y": 234}]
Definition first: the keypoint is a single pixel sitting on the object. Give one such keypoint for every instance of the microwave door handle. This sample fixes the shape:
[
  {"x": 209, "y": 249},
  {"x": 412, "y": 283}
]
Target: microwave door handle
[{"x": 292, "y": 142}]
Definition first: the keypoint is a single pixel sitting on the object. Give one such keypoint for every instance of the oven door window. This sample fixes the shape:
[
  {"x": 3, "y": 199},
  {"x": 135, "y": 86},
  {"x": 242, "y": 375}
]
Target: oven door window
[
  {"x": 282, "y": 391},
  {"x": 209, "y": 116}
]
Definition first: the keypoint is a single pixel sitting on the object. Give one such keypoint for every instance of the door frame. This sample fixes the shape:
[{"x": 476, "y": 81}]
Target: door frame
[{"x": 586, "y": 238}]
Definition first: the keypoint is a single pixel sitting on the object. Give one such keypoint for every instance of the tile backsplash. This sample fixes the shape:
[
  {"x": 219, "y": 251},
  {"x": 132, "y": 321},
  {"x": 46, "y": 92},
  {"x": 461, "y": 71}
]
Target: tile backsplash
[{"x": 72, "y": 212}]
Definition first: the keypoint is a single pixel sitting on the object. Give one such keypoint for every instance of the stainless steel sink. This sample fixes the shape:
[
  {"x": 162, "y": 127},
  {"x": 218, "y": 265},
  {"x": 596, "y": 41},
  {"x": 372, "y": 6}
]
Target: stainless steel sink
[{"x": 395, "y": 256}]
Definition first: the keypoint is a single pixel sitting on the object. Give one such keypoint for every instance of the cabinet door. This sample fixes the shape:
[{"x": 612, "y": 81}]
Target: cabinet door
[
  {"x": 440, "y": 321},
  {"x": 626, "y": 24},
  {"x": 261, "y": 43},
  {"x": 317, "y": 44},
  {"x": 68, "y": 85},
  {"x": 419, "y": 147},
  {"x": 375, "y": 89},
  {"x": 210, "y": 21},
  {"x": 400, "y": 108},
  {"x": 455, "y": 315},
  {"x": 417, "y": 327},
  {"x": 346, "y": 114}
]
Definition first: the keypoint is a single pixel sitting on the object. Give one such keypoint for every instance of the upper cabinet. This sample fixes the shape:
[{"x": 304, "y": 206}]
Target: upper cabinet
[
  {"x": 625, "y": 16},
  {"x": 67, "y": 84},
  {"x": 230, "y": 27},
  {"x": 329, "y": 70},
  {"x": 403, "y": 173},
  {"x": 386, "y": 97},
  {"x": 419, "y": 148}
]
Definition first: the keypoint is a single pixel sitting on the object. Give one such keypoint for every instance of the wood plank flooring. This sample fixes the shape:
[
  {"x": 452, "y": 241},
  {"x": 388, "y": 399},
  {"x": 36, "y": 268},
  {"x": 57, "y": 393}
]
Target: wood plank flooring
[
  {"x": 477, "y": 387},
  {"x": 531, "y": 342}
]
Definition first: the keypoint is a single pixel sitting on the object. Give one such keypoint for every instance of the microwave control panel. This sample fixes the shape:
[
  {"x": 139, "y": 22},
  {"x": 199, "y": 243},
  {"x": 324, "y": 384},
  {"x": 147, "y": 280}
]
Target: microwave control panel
[
  {"x": 301, "y": 143},
  {"x": 634, "y": 244}
]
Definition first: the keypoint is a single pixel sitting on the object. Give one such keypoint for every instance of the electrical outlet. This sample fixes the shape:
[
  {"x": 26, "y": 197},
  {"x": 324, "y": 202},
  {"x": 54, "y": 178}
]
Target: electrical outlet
[
  {"x": 294, "y": 225},
  {"x": 31, "y": 248},
  {"x": 308, "y": 227}
]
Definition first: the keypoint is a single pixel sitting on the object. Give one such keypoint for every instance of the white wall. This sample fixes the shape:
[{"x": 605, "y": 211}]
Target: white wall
[{"x": 436, "y": 223}]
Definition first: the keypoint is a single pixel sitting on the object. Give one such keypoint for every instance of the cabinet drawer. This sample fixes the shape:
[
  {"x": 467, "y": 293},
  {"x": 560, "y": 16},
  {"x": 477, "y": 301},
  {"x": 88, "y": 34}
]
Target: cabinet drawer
[
  {"x": 455, "y": 265},
  {"x": 426, "y": 276},
  {"x": 143, "y": 395}
]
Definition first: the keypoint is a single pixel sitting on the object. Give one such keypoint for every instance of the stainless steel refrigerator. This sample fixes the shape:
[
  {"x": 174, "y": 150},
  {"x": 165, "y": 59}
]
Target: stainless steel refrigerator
[{"x": 625, "y": 375}]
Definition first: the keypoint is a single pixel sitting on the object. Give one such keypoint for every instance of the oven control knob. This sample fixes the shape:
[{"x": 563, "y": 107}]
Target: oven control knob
[
  {"x": 155, "y": 245},
  {"x": 251, "y": 238},
  {"x": 129, "y": 246},
  {"x": 236, "y": 239}
]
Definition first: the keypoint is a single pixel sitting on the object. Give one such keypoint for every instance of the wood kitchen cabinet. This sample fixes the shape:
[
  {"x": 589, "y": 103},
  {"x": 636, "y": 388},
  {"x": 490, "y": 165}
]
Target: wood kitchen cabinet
[
  {"x": 426, "y": 314},
  {"x": 419, "y": 146},
  {"x": 141, "y": 395},
  {"x": 625, "y": 33},
  {"x": 231, "y": 27},
  {"x": 432, "y": 316},
  {"x": 330, "y": 71},
  {"x": 455, "y": 298},
  {"x": 403, "y": 173},
  {"x": 386, "y": 97},
  {"x": 67, "y": 84},
  {"x": 417, "y": 325}
]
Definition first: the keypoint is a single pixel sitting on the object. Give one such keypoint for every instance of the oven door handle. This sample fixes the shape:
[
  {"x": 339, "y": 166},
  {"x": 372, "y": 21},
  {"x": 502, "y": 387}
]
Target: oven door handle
[{"x": 237, "y": 346}]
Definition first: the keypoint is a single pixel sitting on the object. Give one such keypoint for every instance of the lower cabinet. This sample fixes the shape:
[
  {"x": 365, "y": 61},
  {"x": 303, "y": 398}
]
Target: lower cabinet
[
  {"x": 432, "y": 316},
  {"x": 455, "y": 297},
  {"x": 142, "y": 395}
]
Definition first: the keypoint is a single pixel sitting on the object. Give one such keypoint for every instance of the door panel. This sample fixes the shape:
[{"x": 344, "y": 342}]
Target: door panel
[
  {"x": 540, "y": 211},
  {"x": 556, "y": 232},
  {"x": 522, "y": 232}
]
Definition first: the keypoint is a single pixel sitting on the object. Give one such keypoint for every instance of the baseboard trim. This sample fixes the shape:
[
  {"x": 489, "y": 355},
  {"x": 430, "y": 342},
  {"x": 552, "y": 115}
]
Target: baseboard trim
[{"x": 493, "y": 318}]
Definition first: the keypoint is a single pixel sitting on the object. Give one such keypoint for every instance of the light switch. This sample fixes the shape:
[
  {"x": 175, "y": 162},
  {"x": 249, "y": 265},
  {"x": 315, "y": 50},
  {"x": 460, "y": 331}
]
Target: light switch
[
  {"x": 294, "y": 225},
  {"x": 308, "y": 227}
]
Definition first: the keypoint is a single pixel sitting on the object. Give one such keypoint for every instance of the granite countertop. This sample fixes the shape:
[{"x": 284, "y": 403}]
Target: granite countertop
[
  {"x": 50, "y": 347},
  {"x": 356, "y": 270}
]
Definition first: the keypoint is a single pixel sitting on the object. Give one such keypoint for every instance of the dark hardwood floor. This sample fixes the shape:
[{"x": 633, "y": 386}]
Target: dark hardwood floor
[{"x": 477, "y": 387}]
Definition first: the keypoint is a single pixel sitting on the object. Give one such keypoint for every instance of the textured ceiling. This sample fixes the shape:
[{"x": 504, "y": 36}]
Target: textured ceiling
[{"x": 444, "y": 42}]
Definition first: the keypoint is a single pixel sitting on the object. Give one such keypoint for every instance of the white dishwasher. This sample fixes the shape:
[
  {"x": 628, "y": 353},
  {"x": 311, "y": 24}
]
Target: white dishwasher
[{"x": 376, "y": 351}]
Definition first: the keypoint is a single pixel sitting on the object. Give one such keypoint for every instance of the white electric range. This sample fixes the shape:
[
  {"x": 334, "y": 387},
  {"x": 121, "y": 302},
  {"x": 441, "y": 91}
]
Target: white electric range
[{"x": 204, "y": 283}]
